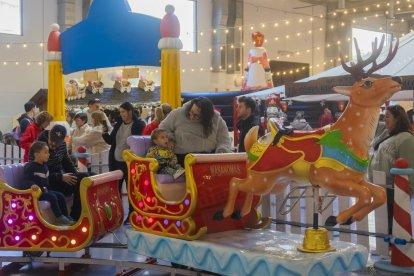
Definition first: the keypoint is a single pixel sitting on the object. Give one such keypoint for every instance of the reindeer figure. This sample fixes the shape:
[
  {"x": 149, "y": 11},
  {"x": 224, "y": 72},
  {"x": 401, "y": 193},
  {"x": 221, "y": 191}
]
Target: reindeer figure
[{"x": 334, "y": 157}]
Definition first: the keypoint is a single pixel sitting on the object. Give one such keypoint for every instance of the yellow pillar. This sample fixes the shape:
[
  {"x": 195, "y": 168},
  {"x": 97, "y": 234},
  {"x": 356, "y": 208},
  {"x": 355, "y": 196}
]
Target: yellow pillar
[
  {"x": 170, "y": 77},
  {"x": 56, "y": 94}
]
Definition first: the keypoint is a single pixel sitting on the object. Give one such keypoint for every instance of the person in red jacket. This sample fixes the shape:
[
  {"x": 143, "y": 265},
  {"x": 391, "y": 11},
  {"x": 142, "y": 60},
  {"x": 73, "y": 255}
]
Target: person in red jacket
[
  {"x": 160, "y": 113},
  {"x": 42, "y": 121}
]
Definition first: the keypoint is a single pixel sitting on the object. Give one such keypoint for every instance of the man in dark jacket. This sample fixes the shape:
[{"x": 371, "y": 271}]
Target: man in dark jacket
[
  {"x": 63, "y": 176},
  {"x": 246, "y": 108}
]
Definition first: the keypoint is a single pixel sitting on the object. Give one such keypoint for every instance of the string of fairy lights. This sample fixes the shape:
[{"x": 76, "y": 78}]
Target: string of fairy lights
[{"x": 294, "y": 24}]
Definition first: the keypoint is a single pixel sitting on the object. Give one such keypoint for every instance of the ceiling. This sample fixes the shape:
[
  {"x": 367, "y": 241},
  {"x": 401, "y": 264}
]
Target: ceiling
[{"x": 394, "y": 10}]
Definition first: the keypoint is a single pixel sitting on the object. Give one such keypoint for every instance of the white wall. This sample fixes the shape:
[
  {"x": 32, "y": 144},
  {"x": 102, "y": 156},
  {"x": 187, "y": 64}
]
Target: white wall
[{"x": 19, "y": 83}]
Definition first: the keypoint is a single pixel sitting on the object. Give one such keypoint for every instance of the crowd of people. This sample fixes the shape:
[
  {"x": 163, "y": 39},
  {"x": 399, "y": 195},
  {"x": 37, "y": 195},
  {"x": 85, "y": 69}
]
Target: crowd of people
[{"x": 196, "y": 127}]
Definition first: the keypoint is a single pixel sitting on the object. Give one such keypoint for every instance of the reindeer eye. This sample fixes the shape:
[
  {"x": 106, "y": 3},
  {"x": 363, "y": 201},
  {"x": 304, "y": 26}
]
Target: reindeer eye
[{"x": 368, "y": 84}]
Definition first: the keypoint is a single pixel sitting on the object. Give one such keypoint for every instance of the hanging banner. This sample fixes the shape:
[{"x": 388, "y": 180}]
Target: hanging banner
[
  {"x": 90, "y": 75},
  {"x": 130, "y": 73}
]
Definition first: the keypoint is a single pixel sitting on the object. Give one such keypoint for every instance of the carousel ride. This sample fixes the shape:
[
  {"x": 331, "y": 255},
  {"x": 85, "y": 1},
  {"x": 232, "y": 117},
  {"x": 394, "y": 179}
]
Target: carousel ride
[{"x": 210, "y": 219}]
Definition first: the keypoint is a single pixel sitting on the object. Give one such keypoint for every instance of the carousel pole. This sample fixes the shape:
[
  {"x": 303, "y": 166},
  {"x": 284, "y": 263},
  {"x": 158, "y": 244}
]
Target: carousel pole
[
  {"x": 170, "y": 46},
  {"x": 56, "y": 96}
]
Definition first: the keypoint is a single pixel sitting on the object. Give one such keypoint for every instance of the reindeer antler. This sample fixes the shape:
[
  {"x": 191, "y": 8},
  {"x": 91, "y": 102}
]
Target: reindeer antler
[{"x": 357, "y": 70}]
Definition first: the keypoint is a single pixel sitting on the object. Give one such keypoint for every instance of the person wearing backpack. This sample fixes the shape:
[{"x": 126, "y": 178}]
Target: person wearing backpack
[{"x": 24, "y": 120}]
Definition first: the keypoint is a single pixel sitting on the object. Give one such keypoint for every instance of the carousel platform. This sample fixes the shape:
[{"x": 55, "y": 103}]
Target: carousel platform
[{"x": 255, "y": 252}]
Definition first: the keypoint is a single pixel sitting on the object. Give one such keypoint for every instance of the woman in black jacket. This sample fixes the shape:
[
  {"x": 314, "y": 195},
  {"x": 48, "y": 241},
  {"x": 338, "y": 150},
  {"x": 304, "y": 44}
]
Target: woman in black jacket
[{"x": 128, "y": 124}]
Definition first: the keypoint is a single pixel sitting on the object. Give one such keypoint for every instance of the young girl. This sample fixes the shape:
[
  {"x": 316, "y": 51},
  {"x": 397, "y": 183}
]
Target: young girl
[
  {"x": 162, "y": 153},
  {"x": 37, "y": 173},
  {"x": 92, "y": 138}
]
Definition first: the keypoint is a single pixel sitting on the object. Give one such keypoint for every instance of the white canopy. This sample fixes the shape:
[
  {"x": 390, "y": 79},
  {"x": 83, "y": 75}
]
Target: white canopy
[{"x": 405, "y": 95}]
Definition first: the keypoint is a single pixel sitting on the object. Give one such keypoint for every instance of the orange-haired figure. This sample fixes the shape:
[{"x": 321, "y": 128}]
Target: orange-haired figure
[{"x": 257, "y": 74}]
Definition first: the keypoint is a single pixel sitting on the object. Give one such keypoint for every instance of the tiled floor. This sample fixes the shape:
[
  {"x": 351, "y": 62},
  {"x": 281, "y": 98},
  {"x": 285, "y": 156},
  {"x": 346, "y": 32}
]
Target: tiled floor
[{"x": 122, "y": 254}]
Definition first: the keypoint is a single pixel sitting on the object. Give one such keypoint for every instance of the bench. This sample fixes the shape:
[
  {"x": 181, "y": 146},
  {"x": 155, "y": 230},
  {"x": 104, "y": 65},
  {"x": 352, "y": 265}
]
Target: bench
[
  {"x": 12, "y": 174},
  {"x": 171, "y": 190}
]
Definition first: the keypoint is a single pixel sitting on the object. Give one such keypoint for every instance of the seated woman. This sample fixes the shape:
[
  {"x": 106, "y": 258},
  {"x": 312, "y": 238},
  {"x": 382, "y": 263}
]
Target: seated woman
[
  {"x": 197, "y": 128},
  {"x": 92, "y": 138}
]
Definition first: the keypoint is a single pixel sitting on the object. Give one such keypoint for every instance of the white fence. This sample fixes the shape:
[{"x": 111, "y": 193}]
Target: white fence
[
  {"x": 10, "y": 154},
  {"x": 292, "y": 210}
]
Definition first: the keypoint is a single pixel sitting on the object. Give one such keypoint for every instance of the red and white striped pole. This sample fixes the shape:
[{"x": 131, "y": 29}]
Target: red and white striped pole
[
  {"x": 403, "y": 251},
  {"x": 82, "y": 159}
]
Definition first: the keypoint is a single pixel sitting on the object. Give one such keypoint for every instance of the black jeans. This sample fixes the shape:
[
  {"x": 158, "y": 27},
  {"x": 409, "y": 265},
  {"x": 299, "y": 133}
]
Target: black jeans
[
  {"x": 390, "y": 208},
  {"x": 68, "y": 190},
  {"x": 57, "y": 202},
  {"x": 124, "y": 168}
]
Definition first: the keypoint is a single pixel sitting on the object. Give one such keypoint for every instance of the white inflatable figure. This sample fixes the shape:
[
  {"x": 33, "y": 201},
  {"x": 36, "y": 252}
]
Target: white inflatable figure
[{"x": 257, "y": 74}]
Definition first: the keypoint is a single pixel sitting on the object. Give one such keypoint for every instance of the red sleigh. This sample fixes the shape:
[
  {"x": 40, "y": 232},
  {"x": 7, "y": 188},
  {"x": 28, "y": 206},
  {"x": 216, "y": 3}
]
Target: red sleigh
[{"x": 203, "y": 194}]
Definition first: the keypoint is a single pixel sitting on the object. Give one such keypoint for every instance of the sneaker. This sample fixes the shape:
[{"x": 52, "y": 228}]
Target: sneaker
[
  {"x": 178, "y": 173},
  {"x": 62, "y": 220},
  {"x": 71, "y": 220}
]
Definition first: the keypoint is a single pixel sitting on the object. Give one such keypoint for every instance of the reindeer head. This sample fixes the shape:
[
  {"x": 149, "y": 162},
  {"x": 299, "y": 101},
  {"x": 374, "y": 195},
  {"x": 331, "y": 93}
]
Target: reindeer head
[{"x": 368, "y": 91}]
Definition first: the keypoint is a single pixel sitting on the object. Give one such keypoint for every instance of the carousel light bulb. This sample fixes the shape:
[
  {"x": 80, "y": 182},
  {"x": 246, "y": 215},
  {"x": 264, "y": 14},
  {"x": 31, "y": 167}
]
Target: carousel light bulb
[
  {"x": 73, "y": 242},
  {"x": 311, "y": 19},
  {"x": 150, "y": 220},
  {"x": 209, "y": 49},
  {"x": 24, "y": 45},
  {"x": 214, "y": 31},
  {"x": 300, "y": 20},
  {"x": 251, "y": 28},
  {"x": 54, "y": 238},
  {"x": 13, "y": 205},
  {"x": 201, "y": 33},
  {"x": 240, "y": 28},
  {"x": 28, "y": 63},
  {"x": 34, "y": 237},
  {"x": 31, "y": 217},
  {"x": 7, "y": 45},
  {"x": 263, "y": 25},
  {"x": 226, "y": 31},
  {"x": 9, "y": 221},
  {"x": 276, "y": 24},
  {"x": 17, "y": 238},
  {"x": 39, "y": 63},
  {"x": 4, "y": 63},
  {"x": 41, "y": 44},
  {"x": 84, "y": 229}
]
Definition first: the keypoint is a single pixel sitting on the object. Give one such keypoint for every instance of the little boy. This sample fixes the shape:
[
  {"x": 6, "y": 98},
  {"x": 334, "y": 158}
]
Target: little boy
[
  {"x": 161, "y": 152},
  {"x": 37, "y": 173}
]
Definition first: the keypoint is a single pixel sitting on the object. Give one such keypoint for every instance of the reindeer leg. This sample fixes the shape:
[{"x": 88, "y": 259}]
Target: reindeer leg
[
  {"x": 379, "y": 197},
  {"x": 247, "y": 205},
  {"x": 231, "y": 200},
  {"x": 345, "y": 187}
]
